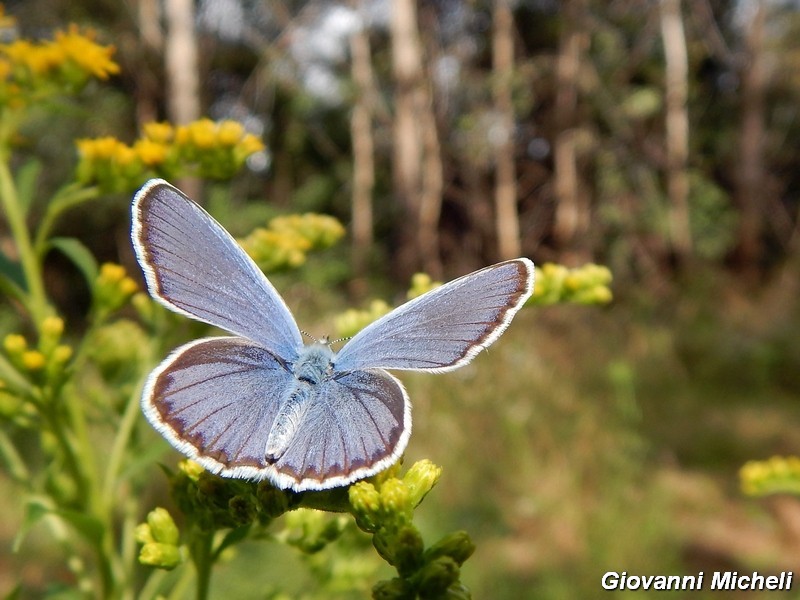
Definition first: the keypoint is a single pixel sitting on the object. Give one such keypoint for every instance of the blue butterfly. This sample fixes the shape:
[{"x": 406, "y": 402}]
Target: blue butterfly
[{"x": 262, "y": 405}]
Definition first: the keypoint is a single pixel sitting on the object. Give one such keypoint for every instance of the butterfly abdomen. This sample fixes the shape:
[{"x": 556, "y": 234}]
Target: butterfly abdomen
[{"x": 312, "y": 367}]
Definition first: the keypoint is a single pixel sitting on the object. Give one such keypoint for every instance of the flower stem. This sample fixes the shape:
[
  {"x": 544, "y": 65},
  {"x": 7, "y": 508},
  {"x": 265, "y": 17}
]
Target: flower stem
[
  {"x": 37, "y": 301},
  {"x": 67, "y": 197},
  {"x": 202, "y": 557}
]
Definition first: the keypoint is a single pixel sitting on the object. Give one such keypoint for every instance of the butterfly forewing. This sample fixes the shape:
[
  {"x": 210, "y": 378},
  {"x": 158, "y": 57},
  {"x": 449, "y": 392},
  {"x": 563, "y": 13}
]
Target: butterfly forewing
[
  {"x": 193, "y": 266},
  {"x": 215, "y": 400},
  {"x": 446, "y": 327}
]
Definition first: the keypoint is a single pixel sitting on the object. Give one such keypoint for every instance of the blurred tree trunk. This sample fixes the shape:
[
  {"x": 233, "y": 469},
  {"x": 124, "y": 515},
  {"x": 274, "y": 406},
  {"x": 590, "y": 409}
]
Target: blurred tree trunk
[
  {"x": 180, "y": 56},
  {"x": 571, "y": 214},
  {"x": 750, "y": 184},
  {"x": 677, "y": 126},
  {"x": 415, "y": 159},
  {"x": 146, "y": 90},
  {"x": 431, "y": 198},
  {"x": 363, "y": 157},
  {"x": 506, "y": 217}
]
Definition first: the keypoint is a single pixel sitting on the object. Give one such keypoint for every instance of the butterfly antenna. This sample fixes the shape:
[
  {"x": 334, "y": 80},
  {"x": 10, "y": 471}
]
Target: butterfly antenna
[
  {"x": 308, "y": 335},
  {"x": 344, "y": 339}
]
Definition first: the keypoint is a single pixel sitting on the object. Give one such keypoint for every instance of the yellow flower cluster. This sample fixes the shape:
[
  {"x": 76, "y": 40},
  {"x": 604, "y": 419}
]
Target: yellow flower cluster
[
  {"x": 112, "y": 289},
  {"x": 554, "y": 283},
  {"x": 351, "y": 321},
  {"x": 48, "y": 359},
  {"x": 421, "y": 283},
  {"x": 287, "y": 240},
  {"x": 32, "y": 69},
  {"x": 391, "y": 496},
  {"x": 777, "y": 475},
  {"x": 205, "y": 148},
  {"x": 583, "y": 285},
  {"x": 160, "y": 540}
]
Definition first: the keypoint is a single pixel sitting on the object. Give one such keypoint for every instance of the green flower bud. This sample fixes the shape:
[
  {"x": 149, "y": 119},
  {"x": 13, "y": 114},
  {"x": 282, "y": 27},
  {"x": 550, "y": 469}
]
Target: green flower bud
[
  {"x": 272, "y": 501},
  {"x": 457, "y": 591},
  {"x": 393, "y": 589},
  {"x": 142, "y": 534},
  {"x": 10, "y": 404},
  {"x": 162, "y": 527},
  {"x": 395, "y": 499},
  {"x": 242, "y": 510},
  {"x": 51, "y": 329},
  {"x": 408, "y": 547},
  {"x": 392, "y": 472},
  {"x": 191, "y": 469},
  {"x": 436, "y": 576},
  {"x": 420, "y": 478},
  {"x": 384, "y": 542},
  {"x": 62, "y": 353},
  {"x": 365, "y": 502},
  {"x": 456, "y": 545},
  {"x": 144, "y": 306},
  {"x": 163, "y": 556}
]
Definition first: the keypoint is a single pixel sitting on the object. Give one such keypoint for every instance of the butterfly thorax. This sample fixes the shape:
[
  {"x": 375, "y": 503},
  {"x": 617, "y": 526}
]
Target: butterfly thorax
[{"x": 314, "y": 364}]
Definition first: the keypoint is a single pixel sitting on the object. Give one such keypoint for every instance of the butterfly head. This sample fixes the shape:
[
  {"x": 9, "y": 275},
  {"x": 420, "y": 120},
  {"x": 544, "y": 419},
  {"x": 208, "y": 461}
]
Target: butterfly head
[{"x": 314, "y": 363}]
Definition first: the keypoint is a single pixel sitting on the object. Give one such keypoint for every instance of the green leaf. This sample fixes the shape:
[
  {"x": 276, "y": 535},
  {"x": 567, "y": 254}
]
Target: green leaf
[
  {"x": 35, "y": 509},
  {"x": 88, "y": 526},
  {"x": 39, "y": 507},
  {"x": 80, "y": 256},
  {"x": 15, "y": 382},
  {"x": 232, "y": 537},
  {"x": 12, "y": 277},
  {"x": 27, "y": 176}
]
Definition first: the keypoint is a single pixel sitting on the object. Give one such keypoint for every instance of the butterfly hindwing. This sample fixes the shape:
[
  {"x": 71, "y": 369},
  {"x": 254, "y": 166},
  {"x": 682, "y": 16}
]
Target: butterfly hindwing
[
  {"x": 215, "y": 399},
  {"x": 446, "y": 327},
  {"x": 354, "y": 426},
  {"x": 193, "y": 266}
]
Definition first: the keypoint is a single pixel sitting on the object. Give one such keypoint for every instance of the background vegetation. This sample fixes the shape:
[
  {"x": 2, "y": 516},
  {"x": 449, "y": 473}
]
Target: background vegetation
[{"x": 657, "y": 138}]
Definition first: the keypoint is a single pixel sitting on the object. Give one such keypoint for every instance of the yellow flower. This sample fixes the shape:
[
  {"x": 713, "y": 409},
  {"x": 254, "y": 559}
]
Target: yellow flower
[
  {"x": 62, "y": 354},
  {"x": 128, "y": 286},
  {"x": 100, "y": 148},
  {"x": 229, "y": 132},
  {"x": 150, "y": 153},
  {"x": 124, "y": 155},
  {"x": 33, "y": 360},
  {"x": 203, "y": 133},
  {"x": 183, "y": 135},
  {"x": 111, "y": 273},
  {"x": 15, "y": 343},
  {"x": 82, "y": 50},
  {"x": 158, "y": 132},
  {"x": 5, "y": 69},
  {"x": 250, "y": 144},
  {"x": 37, "y": 59},
  {"x": 53, "y": 327}
]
